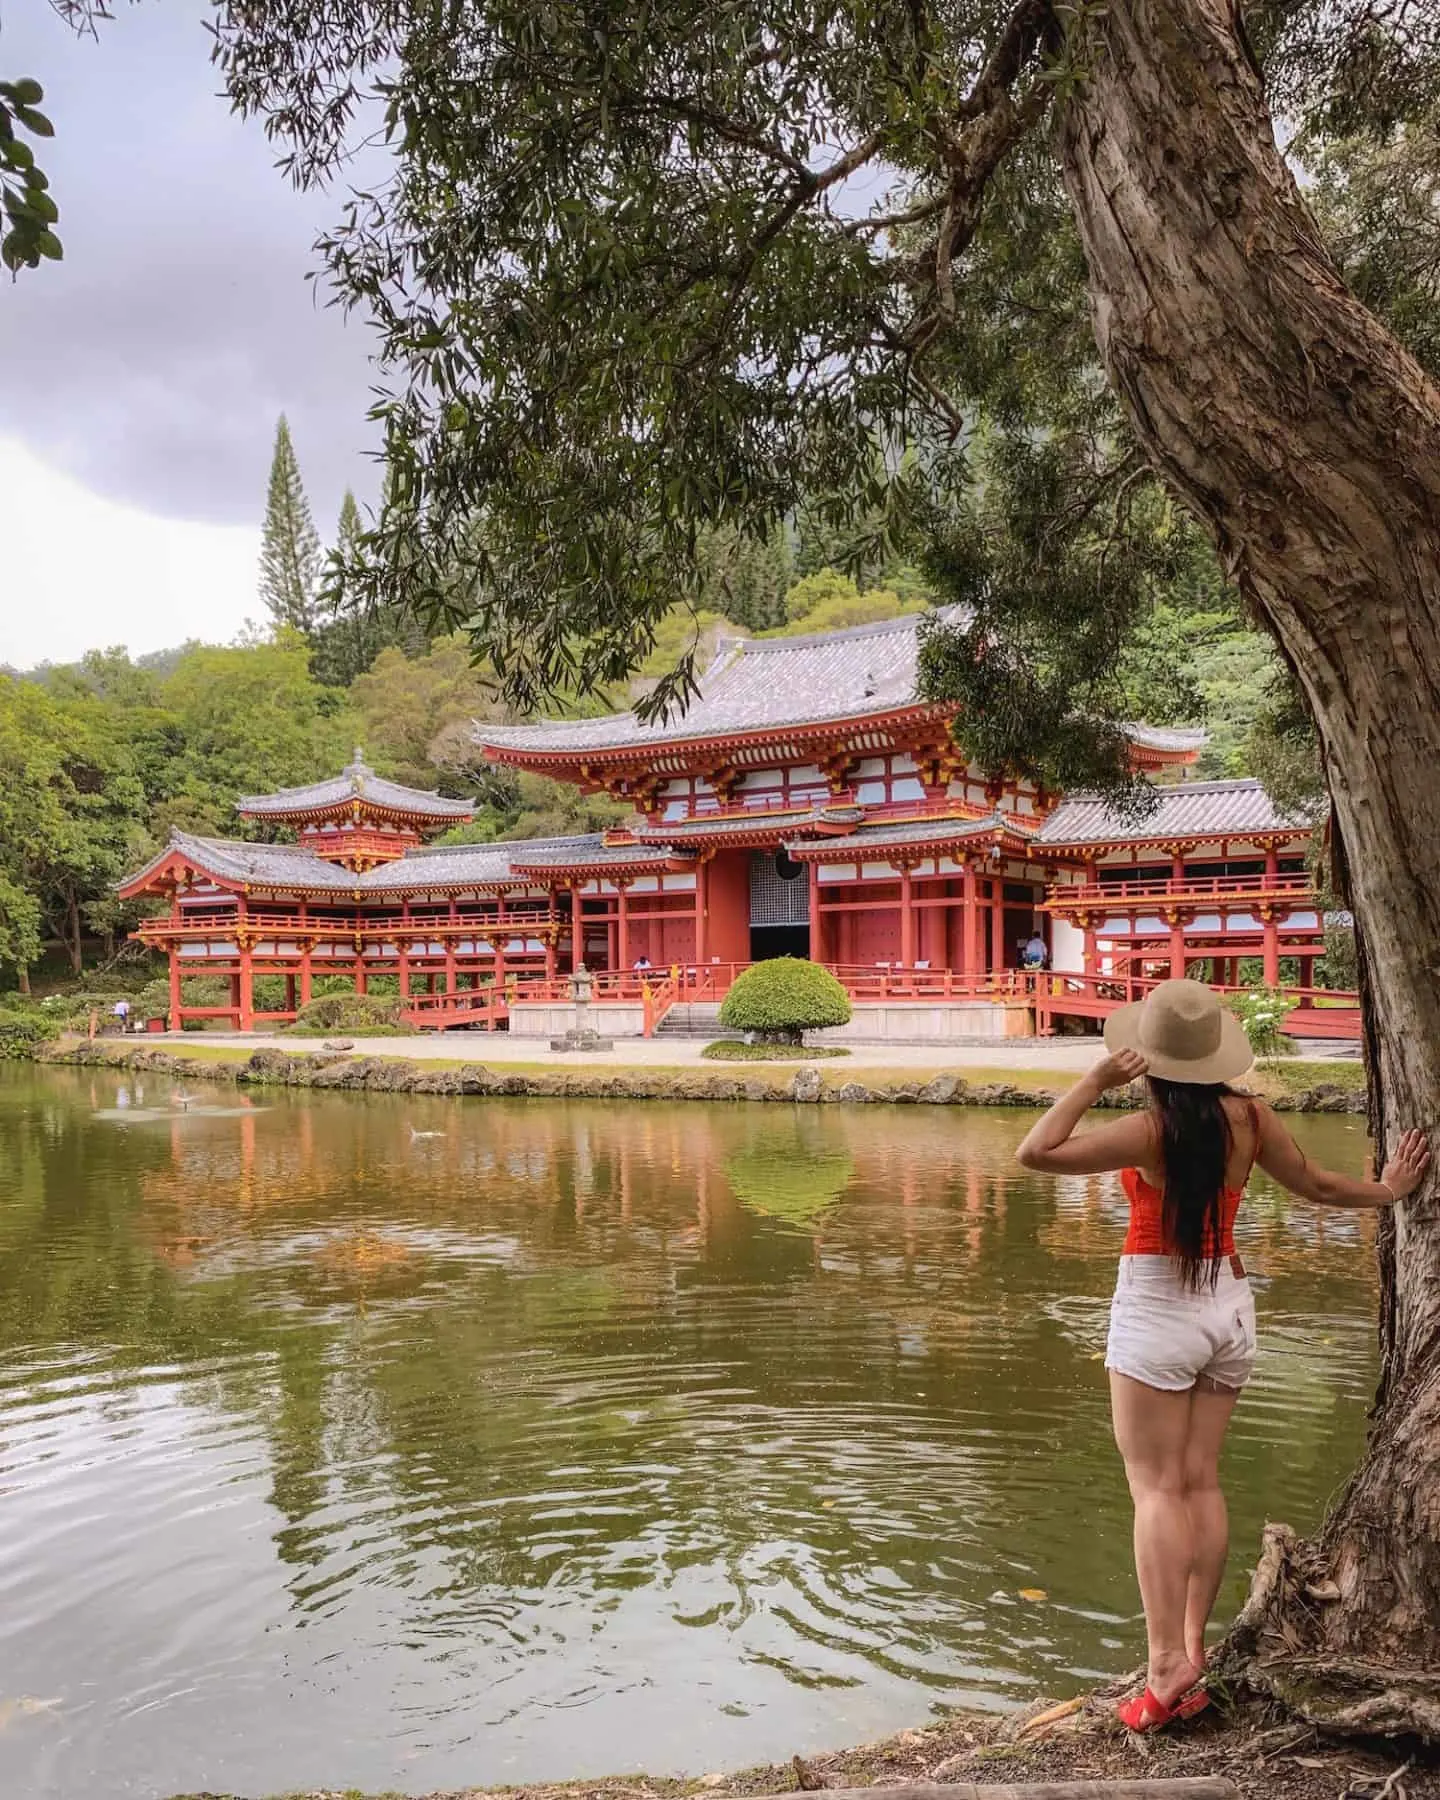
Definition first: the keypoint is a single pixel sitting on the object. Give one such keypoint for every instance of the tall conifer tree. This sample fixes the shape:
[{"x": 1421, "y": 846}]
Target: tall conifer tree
[{"x": 290, "y": 555}]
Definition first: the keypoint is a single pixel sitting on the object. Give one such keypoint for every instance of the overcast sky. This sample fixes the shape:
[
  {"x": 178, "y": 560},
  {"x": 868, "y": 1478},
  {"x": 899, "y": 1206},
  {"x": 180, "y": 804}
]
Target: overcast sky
[{"x": 142, "y": 377}]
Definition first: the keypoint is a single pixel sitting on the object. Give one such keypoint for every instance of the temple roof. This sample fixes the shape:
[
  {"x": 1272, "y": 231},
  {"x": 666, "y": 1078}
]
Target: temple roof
[
  {"x": 1197, "y": 809},
  {"x": 288, "y": 866},
  {"x": 294, "y": 868},
  {"x": 356, "y": 781},
  {"x": 592, "y": 852},
  {"x": 1166, "y": 737},
  {"x": 883, "y": 835},
  {"x": 771, "y": 686},
  {"x": 754, "y": 684}
]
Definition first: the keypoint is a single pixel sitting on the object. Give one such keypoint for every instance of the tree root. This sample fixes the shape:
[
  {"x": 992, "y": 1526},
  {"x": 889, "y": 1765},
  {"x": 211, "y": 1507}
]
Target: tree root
[{"x": 1267, "y": 1652}]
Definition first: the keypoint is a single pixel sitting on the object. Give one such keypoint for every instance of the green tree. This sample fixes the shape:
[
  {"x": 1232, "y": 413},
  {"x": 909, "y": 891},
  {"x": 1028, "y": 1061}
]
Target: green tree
[
  {"x": 290, "y": 555},
  {"x": 20, "y": 920},
  {"x": 631, "y": 292},
  {"x": 252, "y": 718},
  {"x": 405, "y": 703},
  {"x": 70, "y": 802},
  {"x": 350, "y": 630},
  {"x": 830, "y": 601}
]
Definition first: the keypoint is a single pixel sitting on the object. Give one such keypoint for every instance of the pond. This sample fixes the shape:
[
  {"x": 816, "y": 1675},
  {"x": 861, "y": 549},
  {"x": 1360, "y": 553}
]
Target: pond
[{"x": 575, "y": 1438}]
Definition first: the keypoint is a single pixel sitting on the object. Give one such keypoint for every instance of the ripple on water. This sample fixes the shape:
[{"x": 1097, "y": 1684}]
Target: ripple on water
[{"x": 559, "y": 1444}]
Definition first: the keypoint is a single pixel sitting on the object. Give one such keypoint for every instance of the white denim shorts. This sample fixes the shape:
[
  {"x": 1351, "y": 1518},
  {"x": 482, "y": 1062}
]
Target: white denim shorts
[{"x": 1168, "y": 1337}]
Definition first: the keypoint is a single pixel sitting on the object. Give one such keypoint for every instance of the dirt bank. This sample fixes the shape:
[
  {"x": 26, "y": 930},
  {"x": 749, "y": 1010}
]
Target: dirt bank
[{"x": 1266, "y": 1757}]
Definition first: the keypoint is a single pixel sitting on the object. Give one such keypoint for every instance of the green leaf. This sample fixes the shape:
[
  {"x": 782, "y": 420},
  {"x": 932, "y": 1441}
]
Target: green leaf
[
  {"x": 15, "y": 251},
  {"x": 50, "y": 246},
  {"x": 27, "y": 91},
  {"x": 34, "y": 122}
]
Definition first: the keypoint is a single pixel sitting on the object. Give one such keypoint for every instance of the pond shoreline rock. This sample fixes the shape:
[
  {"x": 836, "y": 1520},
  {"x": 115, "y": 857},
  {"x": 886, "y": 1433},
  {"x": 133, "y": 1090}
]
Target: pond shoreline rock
[{"x": 270, "y": 1067}]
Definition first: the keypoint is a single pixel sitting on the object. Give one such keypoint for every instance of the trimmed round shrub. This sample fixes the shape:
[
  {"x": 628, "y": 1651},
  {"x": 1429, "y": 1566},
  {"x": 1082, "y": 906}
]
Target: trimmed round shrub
[{"x": 783, "y": 998}]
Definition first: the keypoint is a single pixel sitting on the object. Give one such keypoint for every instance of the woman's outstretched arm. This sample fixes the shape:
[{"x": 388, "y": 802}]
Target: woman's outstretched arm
[
  {"x": 1051, "y": 1146},
  {"x": 1283, "y": 1158}
]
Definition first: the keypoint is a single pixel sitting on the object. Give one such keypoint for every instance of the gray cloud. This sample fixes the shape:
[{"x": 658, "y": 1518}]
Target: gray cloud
[{"x": 153, "y": 361}]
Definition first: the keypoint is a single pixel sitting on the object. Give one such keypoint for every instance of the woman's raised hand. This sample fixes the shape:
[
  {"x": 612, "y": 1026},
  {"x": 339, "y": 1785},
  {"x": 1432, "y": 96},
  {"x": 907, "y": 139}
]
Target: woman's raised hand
[
  {"x": 1406, "y": 1168},
  {"x": 1119, "y": 1070}
]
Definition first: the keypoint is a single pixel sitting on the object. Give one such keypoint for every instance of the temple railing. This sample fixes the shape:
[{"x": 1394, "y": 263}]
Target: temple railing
[
  {"x": 1118, "y": 896},
  {"x": 895, "y": 981},
  {"x": 1319, "y": 1012},
  {"x": 368, "y": 927}
]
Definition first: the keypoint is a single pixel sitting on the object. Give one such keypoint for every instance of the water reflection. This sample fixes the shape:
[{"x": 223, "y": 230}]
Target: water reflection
[{"x": 576, "y": 1436}]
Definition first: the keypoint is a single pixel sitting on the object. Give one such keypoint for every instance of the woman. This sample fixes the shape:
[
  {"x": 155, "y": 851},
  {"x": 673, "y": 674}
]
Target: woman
[{"x": 1182, "y": 1324}]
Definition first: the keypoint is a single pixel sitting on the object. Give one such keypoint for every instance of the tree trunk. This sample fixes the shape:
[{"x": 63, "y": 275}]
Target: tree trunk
[
  {"x": 22, "y": 977},
  {"x": 1308, "y": 441},
  {"x": 74, "y": 939}
]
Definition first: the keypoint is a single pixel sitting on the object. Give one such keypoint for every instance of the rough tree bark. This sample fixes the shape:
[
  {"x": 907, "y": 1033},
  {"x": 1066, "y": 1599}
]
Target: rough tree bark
[{"x": 1309, "y": 442}]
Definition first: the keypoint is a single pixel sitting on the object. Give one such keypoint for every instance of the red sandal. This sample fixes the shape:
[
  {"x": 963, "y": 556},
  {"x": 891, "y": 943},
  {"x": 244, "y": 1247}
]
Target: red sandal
[{"x": 1146, "y": 1713}]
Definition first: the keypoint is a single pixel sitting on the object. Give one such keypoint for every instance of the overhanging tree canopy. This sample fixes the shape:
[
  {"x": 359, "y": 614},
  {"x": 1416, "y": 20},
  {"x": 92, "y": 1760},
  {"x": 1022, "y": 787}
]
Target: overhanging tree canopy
[{"x": 646, "y": 271}]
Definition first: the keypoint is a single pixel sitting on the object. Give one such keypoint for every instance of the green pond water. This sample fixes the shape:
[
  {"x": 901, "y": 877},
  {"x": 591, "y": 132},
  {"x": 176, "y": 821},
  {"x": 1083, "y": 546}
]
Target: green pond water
[{"x": 578, "y": 1438}]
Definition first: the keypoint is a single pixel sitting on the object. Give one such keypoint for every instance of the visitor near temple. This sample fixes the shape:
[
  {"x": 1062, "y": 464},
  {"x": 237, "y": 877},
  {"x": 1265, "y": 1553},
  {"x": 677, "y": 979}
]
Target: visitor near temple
[{"x": 1182, "y": 1324}]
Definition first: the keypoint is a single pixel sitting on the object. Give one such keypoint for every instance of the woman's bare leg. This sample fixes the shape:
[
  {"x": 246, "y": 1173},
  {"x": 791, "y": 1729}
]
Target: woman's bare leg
[
  {"x": 1210, "y": 1410},
  {"x": 1152, "y": 1430}
]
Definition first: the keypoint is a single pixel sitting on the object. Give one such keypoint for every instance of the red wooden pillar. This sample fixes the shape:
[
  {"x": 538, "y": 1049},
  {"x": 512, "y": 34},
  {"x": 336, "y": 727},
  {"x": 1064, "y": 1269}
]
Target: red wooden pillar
[
  {"x": 305, "y": 972},
  {"x": 817, "y": 924},
  {"x": 970, "y": 940},
  {"x": 907, "y": 917},
  {"x": 622, "y": 926},
  {"x": 1090, "y": 955},
  {"x": 403, "y": 947},
  {"x": 577, "y": 927},
  {"x": 997, "y": 922},
  {"x": 702, "y": 911},
  {"x": 1177, "y": 947},
  {"x": 245, "y": 988},
  {"x": 361, "y": 973},
  {"x": 1272, "y": 948},
  {"x": 176, "y": 1019},
  {"x": 290, "y": 993}
]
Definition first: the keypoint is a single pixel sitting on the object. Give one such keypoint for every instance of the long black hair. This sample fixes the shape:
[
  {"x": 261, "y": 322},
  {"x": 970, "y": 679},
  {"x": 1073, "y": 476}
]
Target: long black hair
[{"x": 1195, "y": 1144}]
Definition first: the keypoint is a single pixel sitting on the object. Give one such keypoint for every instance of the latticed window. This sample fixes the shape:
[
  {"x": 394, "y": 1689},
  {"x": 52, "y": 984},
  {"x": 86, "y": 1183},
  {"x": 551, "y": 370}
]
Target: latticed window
[{"x": 779, "y": 890}]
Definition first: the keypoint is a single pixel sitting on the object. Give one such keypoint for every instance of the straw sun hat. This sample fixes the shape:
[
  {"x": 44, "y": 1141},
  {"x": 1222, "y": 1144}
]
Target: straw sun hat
[{"x": 1184, "y": 1034}]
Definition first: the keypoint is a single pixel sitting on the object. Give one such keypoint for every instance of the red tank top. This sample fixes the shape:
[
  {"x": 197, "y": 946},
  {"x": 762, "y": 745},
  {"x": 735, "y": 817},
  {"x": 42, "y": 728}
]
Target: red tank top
[{"x": 1146, "y": 1236}]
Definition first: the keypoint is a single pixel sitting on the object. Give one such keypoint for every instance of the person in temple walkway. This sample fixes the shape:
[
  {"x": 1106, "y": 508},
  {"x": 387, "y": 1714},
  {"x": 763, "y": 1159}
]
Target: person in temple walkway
[{"x": 1182, "y": 1322}]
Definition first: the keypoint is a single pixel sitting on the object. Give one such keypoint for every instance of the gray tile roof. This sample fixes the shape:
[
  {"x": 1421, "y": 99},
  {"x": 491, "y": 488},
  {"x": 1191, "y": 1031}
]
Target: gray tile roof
[
  {"x": 441, "y": 865},
  {"x": 262, "y": 865},
  {"x": 356, "y": 779},
  {"x": 768, "y": 684},
  {"x": 298, "y": 870},
  {"x": 883, "y": 836},
  {"x": 683, "y": 831},
  {"x": 756, "y": 684},
  {"x": 1164, "y": 737},
  {"x": 595, "y": 853},
  {"x": 1214, "y": 809}
]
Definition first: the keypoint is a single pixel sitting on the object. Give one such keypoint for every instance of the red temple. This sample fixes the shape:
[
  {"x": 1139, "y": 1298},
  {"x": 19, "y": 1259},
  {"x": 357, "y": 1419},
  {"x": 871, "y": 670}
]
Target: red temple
[{"x": 806, "y": 803}]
